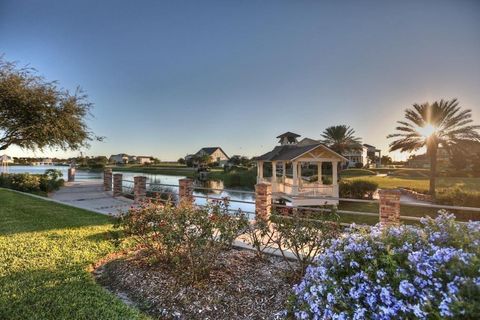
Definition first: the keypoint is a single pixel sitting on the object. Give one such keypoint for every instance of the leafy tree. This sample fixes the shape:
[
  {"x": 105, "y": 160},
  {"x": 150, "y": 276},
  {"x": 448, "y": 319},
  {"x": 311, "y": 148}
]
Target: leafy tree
[
  {"x": 341, "y": 139},
  {"x": 36, "y": 114},
  {"x": 386, "y": 160},
  {"x": 476, "y": 165},
  {"x": 97, "y": 162},
  {"x": 181, "y": 160},
  {"x": 458, "y": 160},
  {"x": 204, "y": 159},
  {"x": 442, "y": 123}
]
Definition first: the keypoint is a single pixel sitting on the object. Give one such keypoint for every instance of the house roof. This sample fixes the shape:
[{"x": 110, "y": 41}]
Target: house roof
[
  {"x": 308, "y": 141},
  {"x": 292, "y": 152},
  {"x": 288, "y": 134},
  {"x": 211, "y": 150}
]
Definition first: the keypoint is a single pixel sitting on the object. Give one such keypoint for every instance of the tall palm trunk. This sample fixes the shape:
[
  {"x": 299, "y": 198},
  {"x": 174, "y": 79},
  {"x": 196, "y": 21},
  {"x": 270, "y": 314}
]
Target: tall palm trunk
[{"x": 432, "y": 152}]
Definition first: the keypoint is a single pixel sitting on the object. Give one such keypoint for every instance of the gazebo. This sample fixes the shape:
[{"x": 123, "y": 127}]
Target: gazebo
[
  {"x": 294, "y": 188},
  {"x": 4, "y": 161}
]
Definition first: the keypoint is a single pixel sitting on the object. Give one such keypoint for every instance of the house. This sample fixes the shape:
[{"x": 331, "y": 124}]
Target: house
[
  {"x": 122, "y": 158},
  {"x": 289, "y": 156},
  {"x": 360, "y": 157},
  {"x": 43, "y": 162},
  {"x": 418, "y": 161},
  {"x": 216, "y": 154},
  {"x": 144, "y": 159},
  {"x": 363, "y": 157}
]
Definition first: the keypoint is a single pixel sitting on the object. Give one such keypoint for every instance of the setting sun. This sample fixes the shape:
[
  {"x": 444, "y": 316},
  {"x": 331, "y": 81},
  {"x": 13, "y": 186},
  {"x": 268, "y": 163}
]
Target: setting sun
[{"x": 427, "y": 130}]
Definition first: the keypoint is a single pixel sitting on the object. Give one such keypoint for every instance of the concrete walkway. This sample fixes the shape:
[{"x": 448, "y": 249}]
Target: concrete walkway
[{"x": 89, "y": 195}]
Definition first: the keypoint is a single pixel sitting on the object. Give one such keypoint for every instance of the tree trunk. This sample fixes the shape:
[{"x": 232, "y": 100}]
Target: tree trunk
[{"x": 432, "y": 152}]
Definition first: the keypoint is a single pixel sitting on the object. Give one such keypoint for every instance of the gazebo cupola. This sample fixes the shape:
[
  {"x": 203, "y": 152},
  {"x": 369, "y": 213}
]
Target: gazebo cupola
[{"x": 288, "y": 138}]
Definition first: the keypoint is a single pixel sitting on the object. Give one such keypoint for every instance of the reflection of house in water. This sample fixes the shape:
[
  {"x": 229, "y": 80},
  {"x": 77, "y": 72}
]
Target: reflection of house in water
[{"x": 295, "y": 189}]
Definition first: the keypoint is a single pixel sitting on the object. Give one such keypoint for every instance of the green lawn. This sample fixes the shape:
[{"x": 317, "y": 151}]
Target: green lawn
[
  {"x": 388, "y": 182},
  {"x": 46, "y": 250}
]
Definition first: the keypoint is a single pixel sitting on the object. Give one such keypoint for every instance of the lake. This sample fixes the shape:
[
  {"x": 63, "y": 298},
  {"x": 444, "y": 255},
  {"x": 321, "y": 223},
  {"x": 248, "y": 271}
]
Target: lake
[{"x": 80, "y": 175}]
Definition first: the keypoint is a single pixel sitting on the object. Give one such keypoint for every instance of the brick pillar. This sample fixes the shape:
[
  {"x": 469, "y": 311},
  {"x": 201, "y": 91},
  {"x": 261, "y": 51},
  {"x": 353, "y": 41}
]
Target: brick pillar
[
  {"x": 71, "y": 174},
  {"x": 107, "y": 180},
  {"x": 263, "y": 200},
  {"x": 117, "y": 184},
  {"x": 389, "y": 207},
  {"x": 185, "y": 190},
  {"x": 139, "y": 188}
]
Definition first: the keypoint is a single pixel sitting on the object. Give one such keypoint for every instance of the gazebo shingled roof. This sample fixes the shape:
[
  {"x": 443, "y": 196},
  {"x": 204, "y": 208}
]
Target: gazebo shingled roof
[
  {"x": 288, "y": 134},
  {"x": 291, "y": 152}
]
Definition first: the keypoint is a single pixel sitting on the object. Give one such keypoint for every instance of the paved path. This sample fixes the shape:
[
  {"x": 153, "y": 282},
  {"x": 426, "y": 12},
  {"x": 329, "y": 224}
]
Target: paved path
[{"x": 89, "y": 195}]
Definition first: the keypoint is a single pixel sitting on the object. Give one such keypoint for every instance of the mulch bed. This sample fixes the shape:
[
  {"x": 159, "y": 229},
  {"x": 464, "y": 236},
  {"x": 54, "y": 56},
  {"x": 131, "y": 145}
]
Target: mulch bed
[{"x": 240, "y": 287}]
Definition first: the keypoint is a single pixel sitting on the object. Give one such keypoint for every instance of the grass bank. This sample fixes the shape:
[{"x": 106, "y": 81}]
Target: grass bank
[
  {"x": 46, "y": 250},
  {"x": 236, "y": 178},
  {"x": 421, "y": 184},
  {"x": 405, "y": 210}
]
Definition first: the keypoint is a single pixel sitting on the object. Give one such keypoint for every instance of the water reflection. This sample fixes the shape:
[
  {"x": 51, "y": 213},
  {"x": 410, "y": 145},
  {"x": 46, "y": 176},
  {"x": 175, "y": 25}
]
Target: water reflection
[
  {"x": 200, "y": 192},
  {"x": 170, "y": 182}
]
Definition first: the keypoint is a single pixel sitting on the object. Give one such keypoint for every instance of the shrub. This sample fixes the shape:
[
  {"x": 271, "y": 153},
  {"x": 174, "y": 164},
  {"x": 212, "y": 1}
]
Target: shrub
[
  {"x": 51, "y": 180},
  {"x": 357, "y": 189},
  {"x": 326, "y": 180},
  {"x": 402, "y": 272},
  {"x": 359, "y": 165},
  {"x": 189, "y": 238},
  {"x": 25, "y": 182},
  {"x": 259, "y": 235},
  {"x": 304, "y": 234}
]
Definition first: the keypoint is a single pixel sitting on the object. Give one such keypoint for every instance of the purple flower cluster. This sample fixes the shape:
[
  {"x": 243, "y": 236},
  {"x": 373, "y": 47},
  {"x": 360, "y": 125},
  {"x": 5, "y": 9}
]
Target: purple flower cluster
[{"x": 427, "y": 271}]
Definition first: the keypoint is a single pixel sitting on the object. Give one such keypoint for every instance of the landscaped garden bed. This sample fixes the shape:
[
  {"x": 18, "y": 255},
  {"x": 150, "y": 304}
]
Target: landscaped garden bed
[
  {"x": 182, "y": 268},
  {"x": 239, "y": 286}
]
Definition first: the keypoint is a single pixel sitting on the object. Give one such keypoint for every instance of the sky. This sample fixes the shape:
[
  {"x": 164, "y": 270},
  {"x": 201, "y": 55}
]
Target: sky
[{"x": 170, "y": 77}]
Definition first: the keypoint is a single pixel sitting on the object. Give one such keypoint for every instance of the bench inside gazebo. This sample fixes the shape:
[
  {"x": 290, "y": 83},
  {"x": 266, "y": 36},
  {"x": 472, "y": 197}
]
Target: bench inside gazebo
[{"x": 291, "y": 155}]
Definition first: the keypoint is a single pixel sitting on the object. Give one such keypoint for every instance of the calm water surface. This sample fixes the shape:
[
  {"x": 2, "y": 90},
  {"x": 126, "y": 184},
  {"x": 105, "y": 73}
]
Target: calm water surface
[{"x": 81, "y": 175}]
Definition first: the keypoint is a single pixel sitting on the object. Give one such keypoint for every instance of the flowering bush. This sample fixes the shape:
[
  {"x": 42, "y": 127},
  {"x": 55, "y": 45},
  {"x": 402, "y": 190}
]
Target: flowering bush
[
  {"x": 187, "y": 237},
  {"x": 430, "y": 271}
]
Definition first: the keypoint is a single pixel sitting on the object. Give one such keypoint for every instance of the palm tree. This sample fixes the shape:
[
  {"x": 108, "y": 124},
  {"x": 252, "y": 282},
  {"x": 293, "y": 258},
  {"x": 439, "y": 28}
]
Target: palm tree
[
  {"x": 440, "y": 124},
  {"x": 341, "y": 139}
]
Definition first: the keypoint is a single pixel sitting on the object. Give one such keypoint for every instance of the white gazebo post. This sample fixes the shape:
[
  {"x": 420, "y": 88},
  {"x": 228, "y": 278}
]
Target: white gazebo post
[
  {"x": 259, "y": 171},
  {"x": 335, "y": 178},
  {"x": 300, "y": 174},
  {"x": 295, "y": 177},
  {"x": 319, "y": 172},
  {"x": 274, "y": 176},
  {"x": 284, "y": 170}
]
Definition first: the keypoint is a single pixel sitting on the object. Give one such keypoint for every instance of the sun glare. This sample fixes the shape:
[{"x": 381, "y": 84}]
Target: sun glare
[{"x": 427, "y": 130}]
